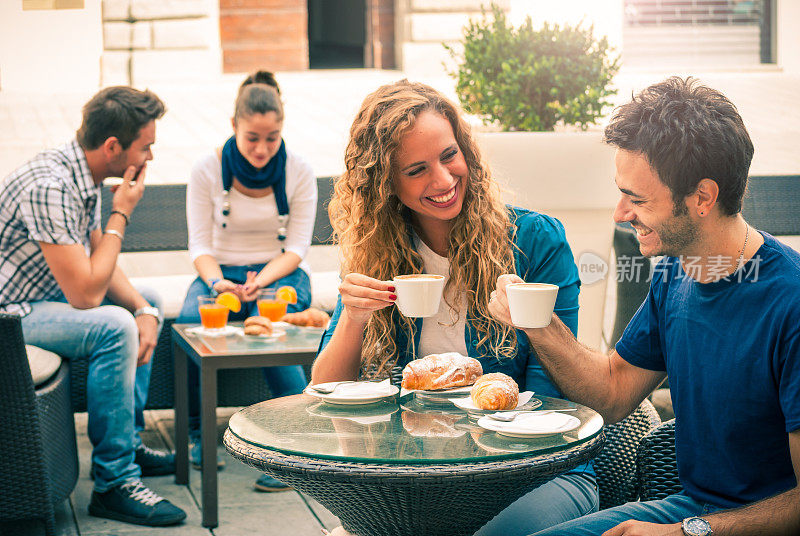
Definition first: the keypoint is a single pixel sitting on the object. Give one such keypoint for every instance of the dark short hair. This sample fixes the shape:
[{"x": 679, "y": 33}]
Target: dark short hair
[
  {"x": 258, "y": 94},
  {"x": 687, "y": 132},
  {"x": 118, "y": 111}
]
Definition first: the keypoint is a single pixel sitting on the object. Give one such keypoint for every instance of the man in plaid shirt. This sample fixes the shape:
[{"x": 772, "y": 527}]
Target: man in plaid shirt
[{"x": 58, "y": 271}]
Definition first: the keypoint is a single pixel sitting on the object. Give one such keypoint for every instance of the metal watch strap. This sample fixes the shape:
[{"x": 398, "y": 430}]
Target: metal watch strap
[
  {"x": 690, "y": 531},
  {"x": 147, "y": 310}
]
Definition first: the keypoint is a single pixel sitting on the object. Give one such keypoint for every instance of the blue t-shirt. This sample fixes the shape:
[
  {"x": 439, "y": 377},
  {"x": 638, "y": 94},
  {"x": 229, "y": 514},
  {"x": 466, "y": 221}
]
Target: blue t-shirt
[{"x": 731, "y": 350}]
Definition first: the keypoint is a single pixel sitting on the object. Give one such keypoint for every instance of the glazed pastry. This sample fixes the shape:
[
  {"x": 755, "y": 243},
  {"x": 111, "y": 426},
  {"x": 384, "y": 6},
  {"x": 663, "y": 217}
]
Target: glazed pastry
[
  {"x": 257, "y": 325},
  {"x": 495, "y": 391},
  {"x": 311, "y": 317},
  {"x": 441, "y": 371}
]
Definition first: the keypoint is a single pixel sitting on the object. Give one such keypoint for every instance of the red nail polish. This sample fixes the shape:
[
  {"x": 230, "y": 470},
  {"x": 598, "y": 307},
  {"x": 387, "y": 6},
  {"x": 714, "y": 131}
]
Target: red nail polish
[
  {"x": 392, "y": 296},
  {"x": 392, "y": 289}
]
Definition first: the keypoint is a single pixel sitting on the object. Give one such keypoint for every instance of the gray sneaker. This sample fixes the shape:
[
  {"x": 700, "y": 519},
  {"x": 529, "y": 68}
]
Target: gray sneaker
[{"x": 133, "y": 502}]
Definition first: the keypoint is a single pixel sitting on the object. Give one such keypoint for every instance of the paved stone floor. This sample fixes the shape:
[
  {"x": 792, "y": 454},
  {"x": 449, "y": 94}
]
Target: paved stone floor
[{"x": 242, "y": 511}]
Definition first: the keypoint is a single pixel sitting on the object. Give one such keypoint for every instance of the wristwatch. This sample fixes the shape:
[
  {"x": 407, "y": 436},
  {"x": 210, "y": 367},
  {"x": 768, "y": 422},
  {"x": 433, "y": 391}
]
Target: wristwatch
[
  {"x": 696, "y": 526},
  {"x": 147, "y": 310}
]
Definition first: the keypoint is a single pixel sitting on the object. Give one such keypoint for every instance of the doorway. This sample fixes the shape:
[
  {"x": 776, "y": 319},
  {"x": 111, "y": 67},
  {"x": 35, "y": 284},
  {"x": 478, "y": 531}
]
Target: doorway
[{"x": 337, "y": 34}]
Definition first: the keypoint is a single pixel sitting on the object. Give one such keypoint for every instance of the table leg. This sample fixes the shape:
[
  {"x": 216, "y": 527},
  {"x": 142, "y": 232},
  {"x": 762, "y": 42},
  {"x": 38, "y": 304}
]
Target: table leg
[
  {"x": 181, "y": 416},
  {"x": 208, "y": 428}
]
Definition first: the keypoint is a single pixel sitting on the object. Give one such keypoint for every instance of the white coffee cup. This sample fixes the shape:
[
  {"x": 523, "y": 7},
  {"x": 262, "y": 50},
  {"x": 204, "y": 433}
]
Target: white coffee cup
[
  {"x": 531, "y": 304},
  {"x": 418, "y": 295}
]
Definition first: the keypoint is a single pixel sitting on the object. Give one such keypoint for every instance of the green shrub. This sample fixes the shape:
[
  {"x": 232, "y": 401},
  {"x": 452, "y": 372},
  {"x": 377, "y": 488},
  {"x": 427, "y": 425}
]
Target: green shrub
[{"x": 529, "y": 79}]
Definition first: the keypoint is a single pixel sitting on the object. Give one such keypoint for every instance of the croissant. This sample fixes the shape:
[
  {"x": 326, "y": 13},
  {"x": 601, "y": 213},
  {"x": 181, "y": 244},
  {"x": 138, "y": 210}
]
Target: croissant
[
  {"x": 441, "y": 371},
  {"x": 495, "y": 391},
  {"x": 257, "y": 325},
  {"x": 309, "y": 318}
]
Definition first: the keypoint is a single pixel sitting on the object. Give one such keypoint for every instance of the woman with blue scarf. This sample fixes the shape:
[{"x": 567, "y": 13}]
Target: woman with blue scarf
[{"x": 250, "y": 211}]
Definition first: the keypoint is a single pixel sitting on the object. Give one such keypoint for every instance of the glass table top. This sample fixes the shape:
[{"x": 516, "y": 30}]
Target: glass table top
[
  {"x": 402, "y": 430},
  {"x": 294, "y": 339}
]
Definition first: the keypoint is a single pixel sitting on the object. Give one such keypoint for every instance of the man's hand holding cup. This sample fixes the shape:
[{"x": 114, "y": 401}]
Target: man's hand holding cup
[{"x": 523, "y": 305}]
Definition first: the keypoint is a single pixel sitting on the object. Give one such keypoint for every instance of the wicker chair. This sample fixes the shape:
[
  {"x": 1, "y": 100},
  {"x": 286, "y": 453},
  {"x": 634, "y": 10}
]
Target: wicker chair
[
  {"x": 616, "y": 464},
  {"x": 656, "y": 465},
  {"x": 771, "y": 204},
  {"x": 39, "y": 462}
]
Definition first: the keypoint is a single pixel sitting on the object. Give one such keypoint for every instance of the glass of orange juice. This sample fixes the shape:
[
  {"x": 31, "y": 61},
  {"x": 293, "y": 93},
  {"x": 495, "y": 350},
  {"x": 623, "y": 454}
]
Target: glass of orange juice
[
  {"x": 269, "y": 305},
  {"x": 213, "y": 316}
]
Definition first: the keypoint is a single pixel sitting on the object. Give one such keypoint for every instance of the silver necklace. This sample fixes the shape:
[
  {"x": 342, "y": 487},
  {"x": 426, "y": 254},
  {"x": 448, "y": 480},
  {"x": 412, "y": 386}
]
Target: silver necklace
[{"x": 741, "y": 253}]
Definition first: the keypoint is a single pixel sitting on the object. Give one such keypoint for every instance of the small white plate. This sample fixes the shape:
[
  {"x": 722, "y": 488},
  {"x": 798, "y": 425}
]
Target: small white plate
[
  {"x": 276, "y": 332},
  {"x": 222, "y": 332},
  {"x": 469, "y": 406},
  {"x": 355, "y": 393},
  {"x": 532, "y": 425}
]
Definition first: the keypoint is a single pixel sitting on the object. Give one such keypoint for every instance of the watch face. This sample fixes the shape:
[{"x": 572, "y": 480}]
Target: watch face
[{"x": 697, "y": 526}]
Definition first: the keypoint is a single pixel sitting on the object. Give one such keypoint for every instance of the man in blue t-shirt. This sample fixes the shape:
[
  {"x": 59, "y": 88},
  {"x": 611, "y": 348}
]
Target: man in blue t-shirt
[{"x": 721, "y": 320}]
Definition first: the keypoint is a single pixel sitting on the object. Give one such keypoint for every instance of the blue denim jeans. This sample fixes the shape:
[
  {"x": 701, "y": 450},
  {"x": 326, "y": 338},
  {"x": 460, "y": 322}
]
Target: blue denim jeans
[
  {"x": 116, "y": 389},
  {"x": 282, "y": 381},
  {"x": 564, "y": 498},
  {"x": 673, "y": 509}
]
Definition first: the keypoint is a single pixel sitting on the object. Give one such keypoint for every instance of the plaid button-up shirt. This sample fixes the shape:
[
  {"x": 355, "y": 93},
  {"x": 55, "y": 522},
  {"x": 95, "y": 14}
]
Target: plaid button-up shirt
[{"x": 53, "y": 199}]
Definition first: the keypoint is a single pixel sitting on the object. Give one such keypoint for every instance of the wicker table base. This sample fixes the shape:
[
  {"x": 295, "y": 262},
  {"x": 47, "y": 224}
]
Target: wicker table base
[{"x": 412, "y": 499}]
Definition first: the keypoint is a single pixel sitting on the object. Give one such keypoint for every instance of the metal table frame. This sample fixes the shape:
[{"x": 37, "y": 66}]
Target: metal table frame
[{"x": 209, "y": 364}]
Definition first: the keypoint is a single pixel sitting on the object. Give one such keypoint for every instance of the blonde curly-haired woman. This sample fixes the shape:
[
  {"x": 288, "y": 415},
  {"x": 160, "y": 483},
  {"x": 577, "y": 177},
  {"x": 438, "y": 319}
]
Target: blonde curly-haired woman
[{"x": 416, "y": 198}]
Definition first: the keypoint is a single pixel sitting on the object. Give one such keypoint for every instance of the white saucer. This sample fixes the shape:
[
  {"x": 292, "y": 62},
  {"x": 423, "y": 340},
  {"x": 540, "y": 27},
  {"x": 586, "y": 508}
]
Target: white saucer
[
  {"x": 355, "y": 393},
  {"x": 532, "y": 425},
  {"x": 222, "y": 332}
]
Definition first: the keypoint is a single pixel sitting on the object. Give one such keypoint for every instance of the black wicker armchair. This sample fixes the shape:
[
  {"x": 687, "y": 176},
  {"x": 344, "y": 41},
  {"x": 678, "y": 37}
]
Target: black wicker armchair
[
  {"x": 656, "y": 465},
  {"x": 39, "y": 462},
  {"x": 616, "y": 465}
]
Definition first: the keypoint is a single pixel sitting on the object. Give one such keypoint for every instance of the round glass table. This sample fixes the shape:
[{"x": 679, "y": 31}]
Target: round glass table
[{"x": 402, "y": 466}]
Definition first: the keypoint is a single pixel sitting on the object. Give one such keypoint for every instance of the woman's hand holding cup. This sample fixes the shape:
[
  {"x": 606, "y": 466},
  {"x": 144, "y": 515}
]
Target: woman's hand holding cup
[{"x": 363, "y": 295}]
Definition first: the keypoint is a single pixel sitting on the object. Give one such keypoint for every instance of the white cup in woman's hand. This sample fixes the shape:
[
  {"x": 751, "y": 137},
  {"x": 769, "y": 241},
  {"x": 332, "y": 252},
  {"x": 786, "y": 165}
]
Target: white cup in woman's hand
[{"x": 418, "y": 295}]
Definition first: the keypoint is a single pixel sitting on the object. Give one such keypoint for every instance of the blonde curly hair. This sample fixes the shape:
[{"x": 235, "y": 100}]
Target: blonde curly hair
[{"x": 371, "y": 224}]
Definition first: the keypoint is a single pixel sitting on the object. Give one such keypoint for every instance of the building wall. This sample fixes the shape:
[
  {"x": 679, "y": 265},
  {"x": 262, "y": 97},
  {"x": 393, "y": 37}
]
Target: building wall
[
  {"x": 44, "y": 50},
  {"x": 421, "y": 26},
  {"x": 788, "y": 36},
  {"x": 263, "y": 33},
  {"x": 382, "y": 36},
  {"x": 147, "y": 41}
]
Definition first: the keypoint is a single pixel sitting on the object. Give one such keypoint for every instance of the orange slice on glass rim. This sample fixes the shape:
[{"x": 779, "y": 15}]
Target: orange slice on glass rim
[
  {"x": 287, "y": 294},
  {"x": 230, "y": 300}
]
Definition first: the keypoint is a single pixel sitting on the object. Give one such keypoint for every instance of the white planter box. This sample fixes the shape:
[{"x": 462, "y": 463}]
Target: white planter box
[{"x": 569, "y": 176}]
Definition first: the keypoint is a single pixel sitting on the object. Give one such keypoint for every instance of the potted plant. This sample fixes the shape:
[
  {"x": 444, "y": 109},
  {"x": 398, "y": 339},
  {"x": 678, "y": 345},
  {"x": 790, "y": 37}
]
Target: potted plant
[{"x": 533, "y": 79}]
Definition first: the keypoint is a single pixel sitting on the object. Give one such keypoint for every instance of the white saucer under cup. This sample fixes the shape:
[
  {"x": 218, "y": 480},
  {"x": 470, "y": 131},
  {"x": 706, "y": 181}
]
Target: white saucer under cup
[
  {"x": 531, "y": 304},
  {"x": 418, "y": 295}
]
